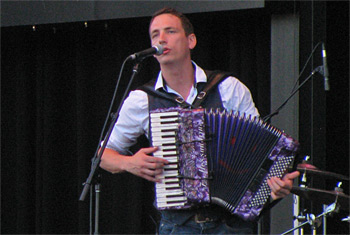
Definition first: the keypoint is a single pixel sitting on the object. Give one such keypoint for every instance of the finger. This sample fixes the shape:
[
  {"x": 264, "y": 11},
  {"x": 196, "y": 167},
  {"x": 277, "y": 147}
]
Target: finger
[
  {"x": 272, "y": 184},
  {"x": 277, "y": 195},
  {"x": 158, "y": 172},
  {"x": 274, "y": 196},
  {"x": 292, "y": 175},
  {"x": 277, "y": 192},
  {"x": 276, "y": 184},
  {"x": 152, "y": 175},
  {"x": 155, "y": 165},
  {"x": 286, "y": 182},
  {"x": 149, "y": 172},
  {"x": 157, "y": 160},
  {"x": 149, "y": 178},
  {"x": 149, "y": 150},
  {"x": 283, "y": 192},
  {"x": 280, "y": 187}
]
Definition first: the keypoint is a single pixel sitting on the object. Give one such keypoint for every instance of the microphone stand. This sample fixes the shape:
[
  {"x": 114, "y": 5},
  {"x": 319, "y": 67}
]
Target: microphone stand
[
  {"x": 314, "y": 220},
  {"x": 98, "y": 154}
]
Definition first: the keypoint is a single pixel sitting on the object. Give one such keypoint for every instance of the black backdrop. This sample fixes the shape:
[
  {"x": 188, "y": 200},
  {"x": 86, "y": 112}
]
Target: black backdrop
[{"x": 56, "y": 86}]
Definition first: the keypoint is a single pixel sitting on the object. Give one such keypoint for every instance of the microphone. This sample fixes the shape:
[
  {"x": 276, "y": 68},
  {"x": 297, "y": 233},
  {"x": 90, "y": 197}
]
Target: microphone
[
  {"x": 155, "y": 50},
  {"x": 325, "y": 68}
]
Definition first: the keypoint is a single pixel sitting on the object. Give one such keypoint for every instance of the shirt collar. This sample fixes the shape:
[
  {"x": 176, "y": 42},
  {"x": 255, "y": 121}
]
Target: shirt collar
[{"x": 200, "y": 76}]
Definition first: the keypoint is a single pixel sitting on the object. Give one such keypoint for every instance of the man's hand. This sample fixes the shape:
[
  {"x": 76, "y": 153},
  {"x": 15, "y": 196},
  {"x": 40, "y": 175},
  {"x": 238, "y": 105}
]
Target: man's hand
[
  {"x": 281, "y": 187},
  {"x": 146, "y": 166}
]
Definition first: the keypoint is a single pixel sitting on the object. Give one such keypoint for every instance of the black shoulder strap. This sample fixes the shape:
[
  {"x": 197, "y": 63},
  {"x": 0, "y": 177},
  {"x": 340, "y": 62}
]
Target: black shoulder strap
[{"x": 214, "y": 78}]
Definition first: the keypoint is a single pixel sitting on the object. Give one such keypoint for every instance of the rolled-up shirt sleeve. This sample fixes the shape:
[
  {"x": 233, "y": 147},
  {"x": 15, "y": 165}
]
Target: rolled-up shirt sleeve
[
  {"x": 236, "y": 96},
  {"x": 132, "y": 122}
]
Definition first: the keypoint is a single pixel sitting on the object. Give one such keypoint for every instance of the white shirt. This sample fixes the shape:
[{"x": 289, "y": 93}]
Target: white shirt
[{"x": 134, "y": 114}]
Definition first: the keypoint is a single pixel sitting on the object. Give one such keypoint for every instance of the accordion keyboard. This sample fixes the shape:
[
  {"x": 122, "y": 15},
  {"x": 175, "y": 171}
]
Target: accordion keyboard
[{"x": 164, "y": 130}]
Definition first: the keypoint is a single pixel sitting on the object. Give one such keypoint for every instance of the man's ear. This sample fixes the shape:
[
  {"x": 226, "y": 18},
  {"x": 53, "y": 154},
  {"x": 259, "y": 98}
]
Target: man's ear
[{"x": 192, "y": 41}]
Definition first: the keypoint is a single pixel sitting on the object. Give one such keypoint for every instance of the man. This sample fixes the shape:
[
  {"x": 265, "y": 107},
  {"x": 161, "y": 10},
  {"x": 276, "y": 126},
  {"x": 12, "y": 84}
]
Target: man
[{"x": 179, "y": 75}]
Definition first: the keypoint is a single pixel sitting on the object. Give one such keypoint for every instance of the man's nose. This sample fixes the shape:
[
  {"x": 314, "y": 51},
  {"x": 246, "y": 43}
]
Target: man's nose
[{"x": 162, "y": 38}]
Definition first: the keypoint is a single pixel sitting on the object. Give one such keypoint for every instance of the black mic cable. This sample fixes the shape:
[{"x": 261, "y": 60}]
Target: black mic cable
[{"x": 295, "y": 88}]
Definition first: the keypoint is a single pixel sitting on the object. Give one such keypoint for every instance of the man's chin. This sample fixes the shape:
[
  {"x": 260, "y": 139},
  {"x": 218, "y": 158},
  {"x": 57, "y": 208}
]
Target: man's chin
[{"x": 165, "y": 61}]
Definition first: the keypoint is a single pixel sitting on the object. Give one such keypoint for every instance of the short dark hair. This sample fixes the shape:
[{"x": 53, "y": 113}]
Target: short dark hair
[{"x": 186, "y": 24}]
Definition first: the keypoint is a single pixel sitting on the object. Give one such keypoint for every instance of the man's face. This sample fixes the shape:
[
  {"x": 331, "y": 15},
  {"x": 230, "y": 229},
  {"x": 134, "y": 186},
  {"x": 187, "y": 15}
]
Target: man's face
[{"x": 167, "y": 30}]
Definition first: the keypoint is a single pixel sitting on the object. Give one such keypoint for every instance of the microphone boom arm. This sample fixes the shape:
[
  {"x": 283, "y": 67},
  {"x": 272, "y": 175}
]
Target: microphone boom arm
[{"x": 268, "y": 117}]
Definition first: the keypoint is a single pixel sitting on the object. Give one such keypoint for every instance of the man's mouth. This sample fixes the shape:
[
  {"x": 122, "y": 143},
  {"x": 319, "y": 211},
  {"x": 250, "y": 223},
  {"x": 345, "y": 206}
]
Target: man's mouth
[{"x": 166, "y": 50}]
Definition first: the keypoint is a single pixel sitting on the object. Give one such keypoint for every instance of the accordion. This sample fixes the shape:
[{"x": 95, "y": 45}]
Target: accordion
[{"x": 217, "y": 156}]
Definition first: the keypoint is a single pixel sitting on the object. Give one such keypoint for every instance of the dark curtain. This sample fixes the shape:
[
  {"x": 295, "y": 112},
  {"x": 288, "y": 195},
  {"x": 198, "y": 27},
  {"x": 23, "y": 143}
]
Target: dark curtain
[{"x": 56, "y": 86}]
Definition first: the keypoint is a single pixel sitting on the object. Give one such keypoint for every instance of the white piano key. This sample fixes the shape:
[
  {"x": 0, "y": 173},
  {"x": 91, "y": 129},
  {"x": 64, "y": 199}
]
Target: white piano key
[
  {"x": 174, "y": 173},
  {"x": 168, "y": 181},
  {"x": 167, "y": 147},
  {"x": 168, "y": 174},
  {"x": 170, "y": 204},
  {"x": 158, "y": 129},
  {"x": 161, "y": 191},
  {"x": 164, "y": 125},
  {"x": 170, "y": 166},
  {"x": 162, "y": 139},
  {"x": 164, "y": 119},
  {"x": 171, "y": 199},
  {"x": 170, "y": 132},
  {"x": 165, "y": 153},
  {"x": 168, "y": 186},
  {"x": 162, "y": 143},
  {"x": 170, "y": 193},
  {"x": 164, "y": 114},
  {"x": 171, "y": 160}
]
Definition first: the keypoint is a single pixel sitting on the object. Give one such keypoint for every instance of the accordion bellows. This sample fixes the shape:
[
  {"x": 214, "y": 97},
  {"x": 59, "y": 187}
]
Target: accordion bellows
[{"x": 217, "y": 156}]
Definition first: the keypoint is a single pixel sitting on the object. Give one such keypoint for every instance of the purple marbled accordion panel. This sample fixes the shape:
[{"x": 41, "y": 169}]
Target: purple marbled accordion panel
[{"x": 193, "y": 163}]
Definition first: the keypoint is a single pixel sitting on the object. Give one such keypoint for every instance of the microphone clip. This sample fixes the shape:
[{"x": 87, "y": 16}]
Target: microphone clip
[{"x": 320, "y": 70}]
